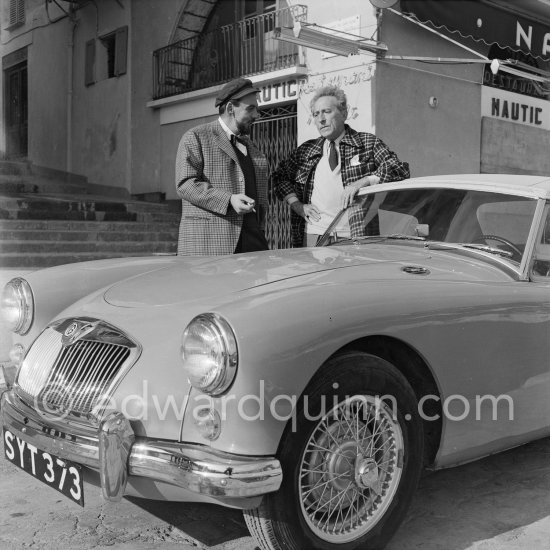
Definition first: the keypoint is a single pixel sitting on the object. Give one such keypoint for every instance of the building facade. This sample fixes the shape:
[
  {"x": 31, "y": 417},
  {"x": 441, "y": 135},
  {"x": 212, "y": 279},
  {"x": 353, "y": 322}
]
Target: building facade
[{"x": 106, "y": 89}]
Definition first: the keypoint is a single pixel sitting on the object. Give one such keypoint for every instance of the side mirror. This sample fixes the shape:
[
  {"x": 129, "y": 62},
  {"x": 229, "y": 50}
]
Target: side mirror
[{"x": 422, "y": 230}]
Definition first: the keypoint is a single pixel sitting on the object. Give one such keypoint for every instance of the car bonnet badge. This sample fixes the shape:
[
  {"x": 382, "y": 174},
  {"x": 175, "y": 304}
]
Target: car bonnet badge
[{"x": 75, "y": 331}]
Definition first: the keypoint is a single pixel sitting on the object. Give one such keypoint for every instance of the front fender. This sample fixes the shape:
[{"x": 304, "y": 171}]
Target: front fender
[
  {"x": 56, "y": 288},
  {"x": 283, "y": 338}
]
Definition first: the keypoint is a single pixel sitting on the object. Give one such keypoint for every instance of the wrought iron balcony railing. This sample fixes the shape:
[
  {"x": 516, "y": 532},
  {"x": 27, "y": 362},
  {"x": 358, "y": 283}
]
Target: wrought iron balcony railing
[{"x": 244, "y": 48}]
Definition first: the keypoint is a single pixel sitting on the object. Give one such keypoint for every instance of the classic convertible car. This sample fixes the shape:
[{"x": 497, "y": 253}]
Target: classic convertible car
[{"x": 308, "y": 387}]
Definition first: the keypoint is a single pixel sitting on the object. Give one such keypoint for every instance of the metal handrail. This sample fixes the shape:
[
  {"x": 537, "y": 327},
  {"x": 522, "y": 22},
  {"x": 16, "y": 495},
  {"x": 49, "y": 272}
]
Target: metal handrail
[{"x": 244, "y": 48}]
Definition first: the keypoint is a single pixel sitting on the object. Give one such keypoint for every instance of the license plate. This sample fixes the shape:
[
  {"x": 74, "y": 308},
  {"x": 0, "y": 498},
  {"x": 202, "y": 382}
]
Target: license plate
[{"x": 62, "y": 475}]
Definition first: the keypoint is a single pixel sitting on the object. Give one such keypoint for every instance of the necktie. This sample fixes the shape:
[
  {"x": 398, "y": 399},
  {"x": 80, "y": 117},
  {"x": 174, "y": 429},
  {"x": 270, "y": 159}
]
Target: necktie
[
  {"x": 332, "y": 156},
  {"x": 237, "y": 139}
]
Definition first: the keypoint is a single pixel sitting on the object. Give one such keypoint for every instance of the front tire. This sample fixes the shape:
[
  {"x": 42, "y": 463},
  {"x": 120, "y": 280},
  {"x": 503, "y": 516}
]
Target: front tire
[{"x": 352, "y": 464}]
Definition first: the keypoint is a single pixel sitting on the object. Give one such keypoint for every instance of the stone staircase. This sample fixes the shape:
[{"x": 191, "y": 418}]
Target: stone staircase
[{"x": 50, "y": 218}]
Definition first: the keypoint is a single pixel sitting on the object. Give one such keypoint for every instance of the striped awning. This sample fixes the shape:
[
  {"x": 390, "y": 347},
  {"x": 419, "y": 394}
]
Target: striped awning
[{"x": 483, "y": 22}]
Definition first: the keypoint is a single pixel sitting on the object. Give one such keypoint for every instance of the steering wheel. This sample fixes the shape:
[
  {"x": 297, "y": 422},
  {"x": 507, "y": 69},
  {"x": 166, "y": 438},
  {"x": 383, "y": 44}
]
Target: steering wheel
[{"x": 517, "y": 253}]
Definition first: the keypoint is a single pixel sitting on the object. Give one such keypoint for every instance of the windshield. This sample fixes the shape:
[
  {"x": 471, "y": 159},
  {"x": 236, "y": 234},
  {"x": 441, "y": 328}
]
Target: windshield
[{"x": 492, "y": 222}]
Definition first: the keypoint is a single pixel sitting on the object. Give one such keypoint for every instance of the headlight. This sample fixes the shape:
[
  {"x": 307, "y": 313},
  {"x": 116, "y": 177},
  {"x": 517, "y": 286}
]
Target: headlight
[
  {"x": 18, "y": 306},
  {"x": 209, "y": 352}
]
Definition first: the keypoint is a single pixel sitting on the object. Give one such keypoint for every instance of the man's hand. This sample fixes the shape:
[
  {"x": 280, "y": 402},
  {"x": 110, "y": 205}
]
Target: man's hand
[
  {"x": 348, "y": 194},
  {"x": 309, "y": 212},
  {"x": 242, "y": 204},
  {"x": 351, "y": 190}
]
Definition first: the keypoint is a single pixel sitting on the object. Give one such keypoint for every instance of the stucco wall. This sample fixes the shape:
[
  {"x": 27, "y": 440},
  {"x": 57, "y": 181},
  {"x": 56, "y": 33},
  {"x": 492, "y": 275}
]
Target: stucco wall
[
  {"x": 47, "y": 96},
  {"x": 47, "y": 80},
  {"x": 100, "y": 125},
  {"x": 434, "y": 140},
  {"x": 355, "y": 74},
  {"x": 152, "y": 25}
]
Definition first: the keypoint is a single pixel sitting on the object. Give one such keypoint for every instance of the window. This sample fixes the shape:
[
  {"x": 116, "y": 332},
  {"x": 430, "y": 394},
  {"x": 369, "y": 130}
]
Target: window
[
  {"x": 17, "y": 13},
  {"x": 108, "y": 59},
  {"x": 115, "y": 54},
  {"x": 109, "y": 42}
]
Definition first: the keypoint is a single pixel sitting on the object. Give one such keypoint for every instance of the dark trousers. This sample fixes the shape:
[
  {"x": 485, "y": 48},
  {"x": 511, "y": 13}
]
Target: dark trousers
[{"x": 252, "y": 238}]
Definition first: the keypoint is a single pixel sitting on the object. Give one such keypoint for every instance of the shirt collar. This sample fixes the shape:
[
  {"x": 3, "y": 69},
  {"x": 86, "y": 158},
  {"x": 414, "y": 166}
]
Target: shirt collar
[
  {"x": 226, "y": 128},
  {"x": 336, "y": 141}
]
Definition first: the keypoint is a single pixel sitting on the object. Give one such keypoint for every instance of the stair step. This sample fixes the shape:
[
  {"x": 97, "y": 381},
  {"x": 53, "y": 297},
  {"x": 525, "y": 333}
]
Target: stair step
[
  {"x": 67, "y": 207},
  {"x": 39, "y": 179},
  {"x": 64, "y": 247},
  {"x": 83, "y": 236},
  {"x": 49, "y": 217},
  {"x": 41, "y": 202},
  {"x": 69, "y": 225},
  {"x": 13, "y": 184},
  {"x": 42, "y": 260},
  {"x": 13, "y": 167}
]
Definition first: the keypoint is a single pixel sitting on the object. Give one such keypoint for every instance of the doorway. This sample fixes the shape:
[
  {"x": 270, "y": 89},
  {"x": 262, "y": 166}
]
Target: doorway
[{"x": 16, "y": 109}]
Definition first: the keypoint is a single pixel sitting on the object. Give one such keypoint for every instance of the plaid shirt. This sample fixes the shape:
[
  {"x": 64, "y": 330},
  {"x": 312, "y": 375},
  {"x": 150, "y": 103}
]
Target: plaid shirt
[{"x": 370, "y": 156}]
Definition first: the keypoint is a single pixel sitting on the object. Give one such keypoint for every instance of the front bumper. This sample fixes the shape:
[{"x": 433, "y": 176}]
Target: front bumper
[{"x": 114, "y": 451}]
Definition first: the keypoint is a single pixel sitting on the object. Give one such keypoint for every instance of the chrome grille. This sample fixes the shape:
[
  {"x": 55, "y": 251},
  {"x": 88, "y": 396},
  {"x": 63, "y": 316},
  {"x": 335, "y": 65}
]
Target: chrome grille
[{"x": 68, "y": 373}]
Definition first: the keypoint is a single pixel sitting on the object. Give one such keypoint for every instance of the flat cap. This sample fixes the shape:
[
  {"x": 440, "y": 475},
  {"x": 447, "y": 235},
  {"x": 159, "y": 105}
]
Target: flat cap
[{"x": 235, "y": 89}]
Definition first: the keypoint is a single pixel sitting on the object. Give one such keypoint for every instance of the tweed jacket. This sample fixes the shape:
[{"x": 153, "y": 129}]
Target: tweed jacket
[
  {"x": 207, "y": 174},
  {"x": 362, "y": 154}
]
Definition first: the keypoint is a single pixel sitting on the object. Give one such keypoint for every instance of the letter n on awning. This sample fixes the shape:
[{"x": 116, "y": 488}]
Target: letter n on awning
[{"x": 485, "y": 23}]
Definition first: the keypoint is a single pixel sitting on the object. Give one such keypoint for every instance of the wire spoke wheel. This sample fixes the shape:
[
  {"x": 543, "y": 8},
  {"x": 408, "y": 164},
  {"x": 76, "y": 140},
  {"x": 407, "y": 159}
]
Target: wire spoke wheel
[
  {"x": 351, "y": 460},
  {"x": 350, "y": 469}
]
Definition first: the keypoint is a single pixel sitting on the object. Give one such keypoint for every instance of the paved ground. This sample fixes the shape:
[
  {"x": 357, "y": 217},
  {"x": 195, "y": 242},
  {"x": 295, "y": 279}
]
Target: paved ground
[{"x": 499, "y": 503}]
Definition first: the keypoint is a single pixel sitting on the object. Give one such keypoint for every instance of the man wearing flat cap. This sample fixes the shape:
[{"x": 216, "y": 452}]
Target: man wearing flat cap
[{"x": 222, "y": 179}]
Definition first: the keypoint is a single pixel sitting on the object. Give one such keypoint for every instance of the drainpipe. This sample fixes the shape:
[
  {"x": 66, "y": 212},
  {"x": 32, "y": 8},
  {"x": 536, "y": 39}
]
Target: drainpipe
[{"x": 70, "y": 56}]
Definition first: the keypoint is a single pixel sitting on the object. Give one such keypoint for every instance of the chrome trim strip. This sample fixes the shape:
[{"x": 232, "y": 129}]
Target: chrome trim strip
[
  {"x": 532, "y": 240},
  {"x": 197, "y": 468}
]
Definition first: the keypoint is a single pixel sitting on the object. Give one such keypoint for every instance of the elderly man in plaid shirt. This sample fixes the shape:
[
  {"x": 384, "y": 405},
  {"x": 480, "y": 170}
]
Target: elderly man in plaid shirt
[{"x": 323, "y": 175}]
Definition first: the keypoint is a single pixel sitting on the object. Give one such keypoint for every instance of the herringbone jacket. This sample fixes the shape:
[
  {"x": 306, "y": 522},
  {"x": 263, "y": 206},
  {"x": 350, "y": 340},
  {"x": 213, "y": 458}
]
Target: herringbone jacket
[
  {"x": 362, "y": 154},
  {"x": 207, "y": 174}
]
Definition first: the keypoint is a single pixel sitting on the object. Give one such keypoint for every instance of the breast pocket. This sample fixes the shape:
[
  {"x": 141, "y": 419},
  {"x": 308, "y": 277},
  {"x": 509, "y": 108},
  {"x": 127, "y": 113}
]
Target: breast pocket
[{"x": 358, "y": 166}]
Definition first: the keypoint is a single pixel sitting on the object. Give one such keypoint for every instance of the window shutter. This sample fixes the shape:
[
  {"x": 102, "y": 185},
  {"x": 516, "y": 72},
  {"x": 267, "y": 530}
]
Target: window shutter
[
  {"x": 17, "y": 12},
  {"x": 121, "y": 52},
  {"x": 21, "y": 11},
  {"x": 89, "y": 65}
]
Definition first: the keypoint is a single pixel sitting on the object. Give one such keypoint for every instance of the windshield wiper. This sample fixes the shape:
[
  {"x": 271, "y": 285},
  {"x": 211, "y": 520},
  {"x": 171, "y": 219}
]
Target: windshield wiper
[
  {"x": 376, "y": 238},
  {"x": 405, "y": 237},
  {"x": 486, "y": 248}
]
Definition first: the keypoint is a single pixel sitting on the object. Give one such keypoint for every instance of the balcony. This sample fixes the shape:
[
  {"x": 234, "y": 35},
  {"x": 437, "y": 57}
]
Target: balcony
[{"x": 244, "y": 48}]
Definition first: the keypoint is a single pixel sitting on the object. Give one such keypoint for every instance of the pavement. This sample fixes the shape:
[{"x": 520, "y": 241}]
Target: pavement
[{"x": 498, "y": 503}]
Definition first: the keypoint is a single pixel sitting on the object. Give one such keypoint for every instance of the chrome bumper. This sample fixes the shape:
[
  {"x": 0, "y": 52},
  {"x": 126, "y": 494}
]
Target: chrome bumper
[{"x": 116, "y": 454}]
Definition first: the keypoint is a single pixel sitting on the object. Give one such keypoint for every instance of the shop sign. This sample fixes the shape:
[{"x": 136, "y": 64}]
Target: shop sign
[
  {"x": 278, "y": 92},
  {"x": 516, "y": 108},
  {"x": 511, "y": 83}
]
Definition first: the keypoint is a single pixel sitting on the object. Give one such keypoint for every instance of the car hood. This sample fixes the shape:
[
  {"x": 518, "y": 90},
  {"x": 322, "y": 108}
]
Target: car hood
[{"x": 198, "y": 278}]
